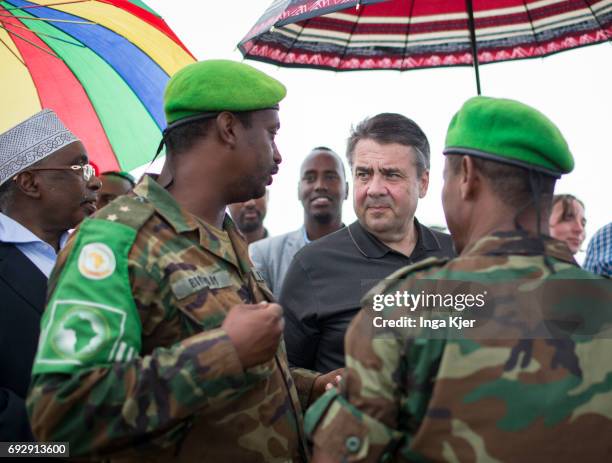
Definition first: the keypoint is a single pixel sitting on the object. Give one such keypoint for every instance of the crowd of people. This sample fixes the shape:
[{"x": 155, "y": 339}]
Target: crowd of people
[{"x": 158, "y": 320}]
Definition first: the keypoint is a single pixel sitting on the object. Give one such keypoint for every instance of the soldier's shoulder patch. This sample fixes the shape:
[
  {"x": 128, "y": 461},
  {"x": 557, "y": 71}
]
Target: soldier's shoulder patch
[
  {"x": 96, "y": 261},
  {"x": 91, "y": 318},
  {"x": 133, "y": 211},
  {"x": 412, "y": 270}
]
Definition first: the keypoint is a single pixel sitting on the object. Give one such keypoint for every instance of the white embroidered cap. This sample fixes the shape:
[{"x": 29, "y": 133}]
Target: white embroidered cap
[{"x": 30, "y": 141}]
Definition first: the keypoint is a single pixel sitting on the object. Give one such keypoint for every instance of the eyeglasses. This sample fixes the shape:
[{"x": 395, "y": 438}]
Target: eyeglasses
[{"x": 88, "y": 170}]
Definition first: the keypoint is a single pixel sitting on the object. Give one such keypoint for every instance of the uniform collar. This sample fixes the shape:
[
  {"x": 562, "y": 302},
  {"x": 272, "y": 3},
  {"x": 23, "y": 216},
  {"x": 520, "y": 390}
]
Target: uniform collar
[
  {"x": 165, "y": 205},
  {"x": 372, "y": 247},
  {"x": 519, "y": 242}
]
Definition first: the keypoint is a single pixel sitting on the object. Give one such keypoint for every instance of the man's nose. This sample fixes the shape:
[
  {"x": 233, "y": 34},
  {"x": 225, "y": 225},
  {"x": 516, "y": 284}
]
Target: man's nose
[
  {"x": 94, "y": 183},
  {"x": 320, "y": 184},
  {"x": 250, "y": 204},
  {"x": 277, "y": 156},
  {"x": 376, "y": 186}
]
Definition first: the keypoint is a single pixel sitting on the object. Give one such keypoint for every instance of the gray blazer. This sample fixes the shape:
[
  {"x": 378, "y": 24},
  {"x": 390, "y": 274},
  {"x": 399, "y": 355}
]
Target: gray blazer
[{"x": 272, "y": 256}]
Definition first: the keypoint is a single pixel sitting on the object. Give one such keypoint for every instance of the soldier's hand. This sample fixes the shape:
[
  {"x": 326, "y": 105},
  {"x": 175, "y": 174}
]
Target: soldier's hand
[
  {"x": 326, "y": 382},
  {"x": 255, "y": 330}
]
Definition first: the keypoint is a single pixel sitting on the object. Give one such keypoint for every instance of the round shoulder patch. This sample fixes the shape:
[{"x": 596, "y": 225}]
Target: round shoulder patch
[{"x": 97, "y": 261}]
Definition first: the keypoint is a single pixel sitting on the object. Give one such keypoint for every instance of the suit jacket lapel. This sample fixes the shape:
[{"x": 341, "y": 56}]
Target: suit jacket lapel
[
  {"x": 20, "y": 274},
  {"x": 294, "y": 242}
]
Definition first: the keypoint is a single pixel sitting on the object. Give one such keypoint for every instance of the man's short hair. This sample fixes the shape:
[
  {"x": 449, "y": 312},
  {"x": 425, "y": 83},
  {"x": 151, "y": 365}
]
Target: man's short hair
[
  {"x": 6, "y": 194},
  {"x": 183, "y": 137},
  {"x": 386, "y": 128},
  {"x": 510, "y": 183},
  {"x": 9, "y": 188},
  {"x": 332, "y": 153}
]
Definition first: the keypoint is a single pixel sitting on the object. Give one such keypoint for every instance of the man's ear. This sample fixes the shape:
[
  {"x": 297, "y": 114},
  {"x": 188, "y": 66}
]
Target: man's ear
[
  {"x": 423, "y": 184},
  {"x": 346, "y": 190},
  {"x": 226, "y": 124},
  {"x": 470, "y": 178},
  {"x": 29, "y": 184}
]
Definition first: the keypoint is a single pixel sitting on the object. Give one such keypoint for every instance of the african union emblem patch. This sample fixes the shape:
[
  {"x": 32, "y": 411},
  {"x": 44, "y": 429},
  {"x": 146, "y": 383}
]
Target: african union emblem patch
[
  {"x": 96, "y": 261},
  {"x": 81, "y": 333}
]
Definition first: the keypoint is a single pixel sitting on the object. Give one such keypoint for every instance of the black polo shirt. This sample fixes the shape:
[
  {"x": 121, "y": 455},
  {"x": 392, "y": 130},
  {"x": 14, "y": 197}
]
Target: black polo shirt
[{"x": 326, "y": 281}]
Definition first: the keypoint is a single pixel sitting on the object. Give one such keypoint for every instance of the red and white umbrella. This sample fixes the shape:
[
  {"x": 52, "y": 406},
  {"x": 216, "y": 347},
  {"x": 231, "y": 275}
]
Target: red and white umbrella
[{"x": 349, "y": 35}]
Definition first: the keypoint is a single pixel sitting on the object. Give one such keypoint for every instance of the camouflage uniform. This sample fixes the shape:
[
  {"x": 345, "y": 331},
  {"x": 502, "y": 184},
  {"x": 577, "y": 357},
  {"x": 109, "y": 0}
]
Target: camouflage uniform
[
  {"x": 133, "y": 363},
  {"x": 502, "y": 399}
]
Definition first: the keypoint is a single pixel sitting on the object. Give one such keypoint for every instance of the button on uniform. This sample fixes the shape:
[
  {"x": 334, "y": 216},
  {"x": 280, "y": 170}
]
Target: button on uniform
[{"x": 353, "y": 444}]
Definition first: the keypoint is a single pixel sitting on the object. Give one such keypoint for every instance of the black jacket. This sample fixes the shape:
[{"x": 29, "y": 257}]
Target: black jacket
[{"x": 23, "y": 290}]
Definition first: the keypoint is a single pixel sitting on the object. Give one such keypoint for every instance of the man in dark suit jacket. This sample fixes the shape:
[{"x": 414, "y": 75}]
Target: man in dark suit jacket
[{"x": 46, "y": 188}]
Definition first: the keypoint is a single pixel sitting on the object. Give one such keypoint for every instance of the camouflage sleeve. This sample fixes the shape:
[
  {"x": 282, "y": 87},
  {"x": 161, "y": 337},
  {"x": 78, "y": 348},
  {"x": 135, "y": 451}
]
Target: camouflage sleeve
[
  {"x": 304, "y": 382},
  {"x": 91, "y": 387},
  {"x": 359, "y": 421}
]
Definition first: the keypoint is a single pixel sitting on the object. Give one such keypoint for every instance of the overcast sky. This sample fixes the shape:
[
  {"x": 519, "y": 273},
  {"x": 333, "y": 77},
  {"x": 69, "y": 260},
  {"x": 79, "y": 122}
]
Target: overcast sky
[{"x": 572, "y": 88}]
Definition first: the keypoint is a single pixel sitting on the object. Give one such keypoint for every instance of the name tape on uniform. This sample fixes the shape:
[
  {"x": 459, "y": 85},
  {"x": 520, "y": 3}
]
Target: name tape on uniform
[{"x": 196, "y": 282}]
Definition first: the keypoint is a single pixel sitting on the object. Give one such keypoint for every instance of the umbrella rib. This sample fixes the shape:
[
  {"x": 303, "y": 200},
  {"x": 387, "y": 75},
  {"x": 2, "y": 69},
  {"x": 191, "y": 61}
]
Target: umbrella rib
[
  {"x": 407, "y": 34},
  {"x": 608, "y": 37},
  {"x": 46, "y": 19},
  {"x": 44, "y": 6},
  {"x": 30, "y": 42},
  {"x": 360, "y": 10},
  {"x": 535, "y": 36},
  {"x": 10, "y": 49},
  {"x": 44, "y": 34},
  {"x": 295, "y": 39}
]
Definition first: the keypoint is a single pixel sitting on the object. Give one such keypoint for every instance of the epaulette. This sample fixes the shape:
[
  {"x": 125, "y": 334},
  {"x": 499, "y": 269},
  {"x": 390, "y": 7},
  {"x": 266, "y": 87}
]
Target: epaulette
[
  {"x": 133, "y": 211},
  {"x": 383, "y": 285}
]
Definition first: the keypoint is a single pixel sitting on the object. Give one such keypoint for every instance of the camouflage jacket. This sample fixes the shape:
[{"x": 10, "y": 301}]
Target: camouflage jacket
[
  {"x": 133, "y": 363},
  {"x": 518, "y": 391}
]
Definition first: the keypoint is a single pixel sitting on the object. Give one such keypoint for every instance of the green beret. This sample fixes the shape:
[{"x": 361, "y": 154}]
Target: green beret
[
  {"x": 510, "y": 132},
  {"x": 219, "y": 85}
]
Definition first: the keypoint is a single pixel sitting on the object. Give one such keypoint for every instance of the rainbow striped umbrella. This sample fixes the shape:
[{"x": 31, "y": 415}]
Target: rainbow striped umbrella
[{"x": 102, "y": 65}]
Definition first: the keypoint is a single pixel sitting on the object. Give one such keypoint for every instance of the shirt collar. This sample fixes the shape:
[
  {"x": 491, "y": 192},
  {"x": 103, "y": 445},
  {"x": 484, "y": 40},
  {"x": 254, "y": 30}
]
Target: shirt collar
[
  {"x": 305, "y": 235},
  {"x": 12, "y": 231},
  {"x": 372, "y": 247}
]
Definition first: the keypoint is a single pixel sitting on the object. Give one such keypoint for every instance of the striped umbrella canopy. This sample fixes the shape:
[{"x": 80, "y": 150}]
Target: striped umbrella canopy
[
  {"x": 347, "y": 35},
  {"x": 100, "y": 65}
]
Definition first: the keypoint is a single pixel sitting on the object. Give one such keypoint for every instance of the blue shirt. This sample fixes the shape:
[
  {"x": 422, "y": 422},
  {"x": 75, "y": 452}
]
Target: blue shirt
[
  {"x": 599, "y": 253},
  {"x": 38, "y": 251}
]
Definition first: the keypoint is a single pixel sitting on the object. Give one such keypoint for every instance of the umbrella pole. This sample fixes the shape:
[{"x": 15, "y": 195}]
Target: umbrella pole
[{"x": 470, "y": 11}]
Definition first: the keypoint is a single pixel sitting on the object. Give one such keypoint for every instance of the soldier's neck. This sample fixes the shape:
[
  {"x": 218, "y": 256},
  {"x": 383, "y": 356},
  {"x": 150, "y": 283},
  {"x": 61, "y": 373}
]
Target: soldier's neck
[
  {"x": 208, "y": 207},
  {"x": 487, "y": 224}
]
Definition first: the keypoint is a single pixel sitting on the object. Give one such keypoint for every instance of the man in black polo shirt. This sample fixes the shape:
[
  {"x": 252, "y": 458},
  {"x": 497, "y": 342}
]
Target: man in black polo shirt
[{"x": 389, "y": 159}]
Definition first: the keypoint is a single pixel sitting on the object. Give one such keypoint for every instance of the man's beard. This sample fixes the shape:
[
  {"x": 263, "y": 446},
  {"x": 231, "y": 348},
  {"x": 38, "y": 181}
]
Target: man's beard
[
  {"x": 322, "y": 218},
  {"x": 250, "y": 226}
]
